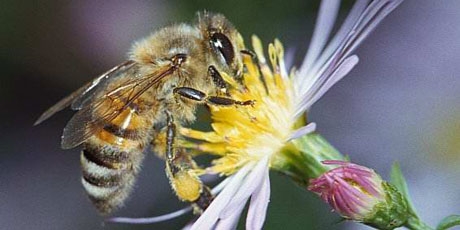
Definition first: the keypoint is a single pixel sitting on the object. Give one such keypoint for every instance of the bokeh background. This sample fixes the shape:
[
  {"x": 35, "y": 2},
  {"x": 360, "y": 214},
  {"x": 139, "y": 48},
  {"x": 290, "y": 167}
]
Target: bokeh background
[{"x": 401, "y": 103}]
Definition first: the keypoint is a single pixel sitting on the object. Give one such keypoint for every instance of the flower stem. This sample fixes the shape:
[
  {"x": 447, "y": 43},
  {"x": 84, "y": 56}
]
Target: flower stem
[
  {"x": 416, "y": 224},
  {"x": 302, "y": 160}
]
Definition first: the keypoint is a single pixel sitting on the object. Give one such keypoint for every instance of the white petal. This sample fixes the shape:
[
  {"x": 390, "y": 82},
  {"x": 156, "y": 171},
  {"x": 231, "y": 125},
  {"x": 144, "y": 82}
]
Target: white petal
[
  {"x": 315, "y": 94},
  {"x": 311, "y": 127},
  {"x": 220, "y": 186},
  {"x": 325, "y": 22},
  {"x": 210, "y": 216},
  {"x": 342, "y": 34},
  {"x": 251, "y": 183},
  {"x": 373, "y": 15},
  {"x": 258, "y": 206},
  {"x": 312, "y": 82},
  {"x": 150, "y": 220},
  {"x": 231, "y": 221},
  {"x": 289, "y": 57}
]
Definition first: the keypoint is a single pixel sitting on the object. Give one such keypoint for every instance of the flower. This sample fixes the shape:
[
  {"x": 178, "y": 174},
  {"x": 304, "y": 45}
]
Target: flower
[
  {"x": 359, "y": 193},
  {"x": 352, "y": 190},
  {"x": 248, "y": 141}
]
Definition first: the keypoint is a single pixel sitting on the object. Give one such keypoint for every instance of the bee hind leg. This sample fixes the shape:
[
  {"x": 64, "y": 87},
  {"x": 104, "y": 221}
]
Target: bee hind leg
[{"x": 180, "y": 171}]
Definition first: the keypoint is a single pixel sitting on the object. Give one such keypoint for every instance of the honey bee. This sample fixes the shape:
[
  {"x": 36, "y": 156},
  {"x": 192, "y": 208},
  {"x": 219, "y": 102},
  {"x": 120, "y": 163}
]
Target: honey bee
[{"x": 124, "y": 110}]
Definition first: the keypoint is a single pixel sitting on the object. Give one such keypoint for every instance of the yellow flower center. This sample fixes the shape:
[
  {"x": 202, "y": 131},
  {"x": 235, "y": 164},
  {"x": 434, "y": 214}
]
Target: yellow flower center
[{"x": 244, "y": 134}]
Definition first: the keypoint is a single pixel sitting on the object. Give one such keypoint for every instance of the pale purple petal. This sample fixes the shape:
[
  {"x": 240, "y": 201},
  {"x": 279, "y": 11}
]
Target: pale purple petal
[
  {"x": 312, "y": 82},
  {"x": 210, "y": 216},
  {"x": 311, "y": 127},
  {"x": 343, "y": 32},
  {"x": 150, "y": 220},
  {"x": 342, "y": 70},
  {"x": 231, "y": 221},
  {"x": 289, "y": 57},
  {"x": 220, "y": 186},
  {"x": 316, "y": 92},
  {"x": 373, "y": 15},
  {"x": 325, "y": 22},
  {"x": 259, "y": 203},
  {"x": 252, "y": 182}
]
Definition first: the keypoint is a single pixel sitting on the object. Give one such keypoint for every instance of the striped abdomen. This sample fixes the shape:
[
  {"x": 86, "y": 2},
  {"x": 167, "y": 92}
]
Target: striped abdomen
[{"x": 111, "y": 159}]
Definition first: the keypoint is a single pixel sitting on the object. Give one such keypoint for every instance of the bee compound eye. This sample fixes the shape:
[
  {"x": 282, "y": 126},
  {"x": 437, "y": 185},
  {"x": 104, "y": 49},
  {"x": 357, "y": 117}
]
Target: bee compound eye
[{"x": 222, "y": 45}]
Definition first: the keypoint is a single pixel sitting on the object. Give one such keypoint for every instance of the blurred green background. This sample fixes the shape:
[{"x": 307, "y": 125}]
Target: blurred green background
[{"x": 400, "y": 103}]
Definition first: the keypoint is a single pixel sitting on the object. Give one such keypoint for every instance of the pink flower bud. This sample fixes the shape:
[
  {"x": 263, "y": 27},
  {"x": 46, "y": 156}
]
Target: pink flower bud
[{"x": 351, "y": 190}]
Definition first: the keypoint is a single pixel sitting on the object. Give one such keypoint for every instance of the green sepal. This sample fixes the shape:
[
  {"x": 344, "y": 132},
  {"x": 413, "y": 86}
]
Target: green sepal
[
  {"x": 449, "y": 222},
  {"x": 398, "y": 180},
  {"x": 391, "y": 213},
  {"x": 301, "y": 160}
]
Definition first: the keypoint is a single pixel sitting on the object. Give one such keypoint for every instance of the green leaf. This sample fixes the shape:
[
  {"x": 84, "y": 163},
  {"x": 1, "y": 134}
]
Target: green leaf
[
  {"x": 397, "y": 179},
  {"x": 449, "y": 222}
]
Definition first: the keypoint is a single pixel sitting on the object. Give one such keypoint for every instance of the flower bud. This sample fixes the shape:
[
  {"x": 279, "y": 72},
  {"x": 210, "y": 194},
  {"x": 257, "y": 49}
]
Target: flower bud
[{"x": 358, "y": 193}]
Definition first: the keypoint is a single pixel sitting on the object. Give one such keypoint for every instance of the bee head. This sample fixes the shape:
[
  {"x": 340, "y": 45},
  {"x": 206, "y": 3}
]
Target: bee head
[{"x": 224, "y": 42}]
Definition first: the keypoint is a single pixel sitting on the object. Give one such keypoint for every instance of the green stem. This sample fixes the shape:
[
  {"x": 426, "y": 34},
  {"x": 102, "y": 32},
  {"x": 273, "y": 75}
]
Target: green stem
[
  {"x": 302, "y": 159},
  {"x": 414, "y": 223}
]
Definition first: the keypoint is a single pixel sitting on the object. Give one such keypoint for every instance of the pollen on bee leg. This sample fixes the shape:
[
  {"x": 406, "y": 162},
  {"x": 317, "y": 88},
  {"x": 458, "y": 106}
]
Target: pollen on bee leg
[{"x": 186, "y": 184}]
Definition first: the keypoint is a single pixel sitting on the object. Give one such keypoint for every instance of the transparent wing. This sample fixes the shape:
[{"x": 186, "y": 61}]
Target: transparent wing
[
  {"x": 80, "y": 97},
  {"x": 105, "y": 107}
]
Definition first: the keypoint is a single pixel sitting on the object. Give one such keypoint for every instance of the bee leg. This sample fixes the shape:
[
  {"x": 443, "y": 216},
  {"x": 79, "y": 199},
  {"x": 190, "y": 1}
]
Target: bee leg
[
  {"x": 218, "y": 80},
  {"x": 180, "y": 171},
  {"x": 194, "y": 94},
  {"x": 170, "y": 136}
]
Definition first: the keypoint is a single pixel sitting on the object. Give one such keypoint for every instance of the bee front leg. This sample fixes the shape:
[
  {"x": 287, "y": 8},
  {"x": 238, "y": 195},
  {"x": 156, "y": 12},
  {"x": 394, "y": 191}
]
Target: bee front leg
[
  {"x": 196, "y": 95},
  {"x": 180, "y": 171},
  {"x": 218, "y": 81}
]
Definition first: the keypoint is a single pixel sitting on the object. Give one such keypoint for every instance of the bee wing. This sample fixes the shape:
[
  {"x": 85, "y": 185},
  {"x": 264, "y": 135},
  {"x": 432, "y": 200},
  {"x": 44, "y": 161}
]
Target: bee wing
[
  {"x": 81, "y": 96},
  {"x": 93, "y": 116}
]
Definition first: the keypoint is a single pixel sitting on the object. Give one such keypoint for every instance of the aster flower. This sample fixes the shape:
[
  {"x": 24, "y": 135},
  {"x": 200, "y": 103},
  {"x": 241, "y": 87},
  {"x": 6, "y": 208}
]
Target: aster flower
[{"x": 249, "y": 141}]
